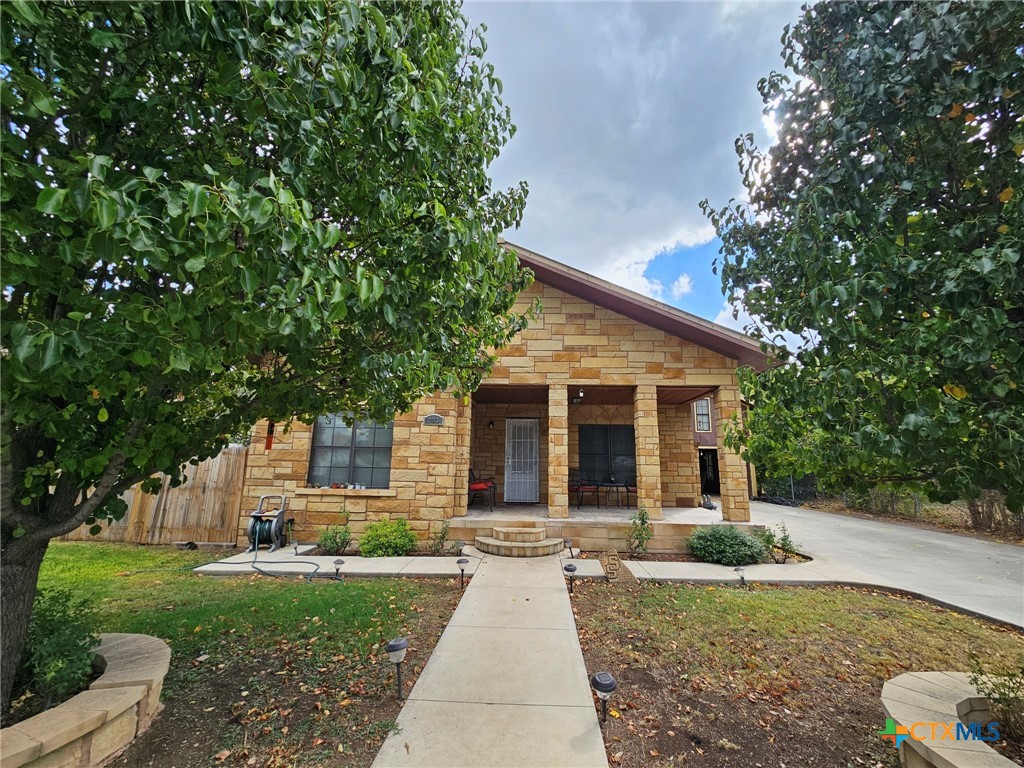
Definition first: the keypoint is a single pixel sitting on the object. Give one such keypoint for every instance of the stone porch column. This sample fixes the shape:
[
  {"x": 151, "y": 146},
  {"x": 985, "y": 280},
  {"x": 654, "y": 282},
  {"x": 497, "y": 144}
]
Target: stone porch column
[
  {"x": 463, "y": 437},
  {"x": 558, "y": 451},
  {"x": 648, "y": 449},
  {"x": 732, "y": 469}
]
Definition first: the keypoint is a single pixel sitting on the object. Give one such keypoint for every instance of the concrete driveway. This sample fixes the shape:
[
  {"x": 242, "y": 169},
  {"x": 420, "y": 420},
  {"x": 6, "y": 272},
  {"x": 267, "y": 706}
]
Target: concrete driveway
[{"x": 979, "y": 575}]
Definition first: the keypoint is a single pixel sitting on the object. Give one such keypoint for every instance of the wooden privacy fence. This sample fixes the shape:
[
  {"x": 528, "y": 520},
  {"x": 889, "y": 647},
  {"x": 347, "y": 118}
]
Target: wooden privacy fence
[{"x": 202, "y": 509}]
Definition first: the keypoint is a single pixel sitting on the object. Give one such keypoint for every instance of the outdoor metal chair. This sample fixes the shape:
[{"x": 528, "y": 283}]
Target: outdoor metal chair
[
  {"x": 481, "y": 485},
  {"x": 581, "y": 486}
]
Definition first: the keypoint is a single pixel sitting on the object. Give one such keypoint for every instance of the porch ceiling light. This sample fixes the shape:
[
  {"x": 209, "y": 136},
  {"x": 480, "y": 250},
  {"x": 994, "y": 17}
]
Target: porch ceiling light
[
  {"x": 604, "y": 686},
  {"x": 462, "y": 563}
]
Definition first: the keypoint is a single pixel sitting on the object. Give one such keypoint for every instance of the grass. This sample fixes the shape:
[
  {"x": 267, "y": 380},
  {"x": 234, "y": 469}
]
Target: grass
[
  {"x": 763, "y": 659},
  {"x": 153, "y": 591},
  {"x": 768, "y": 638},
  {"x": 262, "y": 668}
]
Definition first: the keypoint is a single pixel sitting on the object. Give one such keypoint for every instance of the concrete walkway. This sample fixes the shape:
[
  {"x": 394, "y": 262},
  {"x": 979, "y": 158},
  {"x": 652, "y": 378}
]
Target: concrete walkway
[
  {"x": 506, "y": 684},
  {"x": 284, "y": 562}
]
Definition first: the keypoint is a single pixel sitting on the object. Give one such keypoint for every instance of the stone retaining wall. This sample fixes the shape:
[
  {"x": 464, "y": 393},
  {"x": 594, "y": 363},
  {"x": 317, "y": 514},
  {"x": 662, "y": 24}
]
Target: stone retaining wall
[
  {"x": 917, "y": 699},
  {"x": 97, "y": 724}
]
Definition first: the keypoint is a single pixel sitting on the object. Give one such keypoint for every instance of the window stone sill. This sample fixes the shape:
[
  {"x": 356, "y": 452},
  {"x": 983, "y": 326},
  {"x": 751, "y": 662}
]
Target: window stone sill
[{"x": 367, "y": 492}]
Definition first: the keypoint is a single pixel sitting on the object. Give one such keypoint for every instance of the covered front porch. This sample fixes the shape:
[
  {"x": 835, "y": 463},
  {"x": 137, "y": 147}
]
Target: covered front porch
[{"x": 622, "y": 445}]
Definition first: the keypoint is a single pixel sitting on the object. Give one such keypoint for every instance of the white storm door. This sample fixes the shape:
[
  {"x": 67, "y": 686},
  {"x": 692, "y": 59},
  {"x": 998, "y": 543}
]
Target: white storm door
[{"x": 522, "y": 460}]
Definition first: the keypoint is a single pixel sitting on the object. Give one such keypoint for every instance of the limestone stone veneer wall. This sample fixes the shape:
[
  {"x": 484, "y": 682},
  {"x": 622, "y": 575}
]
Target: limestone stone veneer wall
[
  {"x": 97, "y": 724},
  {"x": 429, "y": 474}
]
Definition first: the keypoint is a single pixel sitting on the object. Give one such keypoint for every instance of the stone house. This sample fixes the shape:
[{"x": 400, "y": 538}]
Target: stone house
[{"x": 605, "y": 388}]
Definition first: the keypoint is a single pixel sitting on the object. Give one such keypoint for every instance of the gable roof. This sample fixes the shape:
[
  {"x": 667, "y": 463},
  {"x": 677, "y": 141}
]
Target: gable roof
[{"x": 656, "y": 314}]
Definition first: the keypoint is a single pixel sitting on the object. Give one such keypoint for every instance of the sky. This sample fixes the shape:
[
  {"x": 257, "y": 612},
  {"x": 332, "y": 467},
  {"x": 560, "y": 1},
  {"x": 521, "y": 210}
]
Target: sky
[{"x": 627, "y": 114}]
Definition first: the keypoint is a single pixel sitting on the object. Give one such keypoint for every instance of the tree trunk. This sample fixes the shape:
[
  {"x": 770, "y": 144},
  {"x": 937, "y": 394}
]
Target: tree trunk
[{"x": 19, "y": 569}]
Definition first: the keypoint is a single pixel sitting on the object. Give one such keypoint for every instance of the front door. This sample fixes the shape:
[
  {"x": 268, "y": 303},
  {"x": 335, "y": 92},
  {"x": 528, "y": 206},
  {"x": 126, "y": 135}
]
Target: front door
[
  {"x": 709, "y": 472},
  {"x": 522, "y": 460}
]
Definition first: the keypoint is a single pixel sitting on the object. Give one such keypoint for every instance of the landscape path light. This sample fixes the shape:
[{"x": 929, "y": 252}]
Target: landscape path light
[
  {"x": 568, "y": 545},
  {"x": 739, "y": 572},
  {"x": 462, "y": 562},
  {"x": 571, "y": 570},
  {"x": 337, "y": 567},
  {"x": 604, "y": 686},
  {"x": 396, "y": 652}
]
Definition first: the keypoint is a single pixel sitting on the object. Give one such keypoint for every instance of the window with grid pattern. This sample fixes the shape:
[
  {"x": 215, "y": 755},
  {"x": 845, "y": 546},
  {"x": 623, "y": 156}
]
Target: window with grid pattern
[
  {"x": 607, "y": 451},
  {"x": 702, "y": 410},
  {"x": 351, "y": 451}
]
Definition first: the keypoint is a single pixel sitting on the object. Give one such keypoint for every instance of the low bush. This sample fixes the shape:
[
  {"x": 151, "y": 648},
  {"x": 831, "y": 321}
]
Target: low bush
[
  {"x": 640, "y": 532},
  {"x": 438, "y": 544},
  {"x": 388, "y": 538},
  {"x": 779, "y": 544},
  {"x": 58, "y": 656},
  {"x": 1004, "y": 690},
  {"x": 726, "y": 545},
  {"x": 334, "y": 540}
]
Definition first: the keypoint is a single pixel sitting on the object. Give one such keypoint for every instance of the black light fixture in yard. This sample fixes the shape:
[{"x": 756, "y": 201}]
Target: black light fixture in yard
[
  {"x": 604, "y": 686},
  {"x": 337, "y": 568},
  {"x": 396, "y": 652},
  {"x": 462, "y": 562},
  {"x": 570, "y": 569},
  {"x": 459, "y": 546},
  {"x": 740, "y": 572},
  {"x": 568, "y": 545}
]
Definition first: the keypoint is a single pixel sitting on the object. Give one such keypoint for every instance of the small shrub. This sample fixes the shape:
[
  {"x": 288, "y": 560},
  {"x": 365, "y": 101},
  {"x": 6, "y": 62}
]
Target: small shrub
[
  {"x": 388, "y": 538},
  {"x": 640, "y": 532},
  {"x": 335, "y": 540},
  {"x": 1004, "y": 690},
  {"x": 726, "y": 545},
  {"x": 779, "y": 544},
  {"x": 58, "y": 659},
  {"x": 439, "y": 541}
]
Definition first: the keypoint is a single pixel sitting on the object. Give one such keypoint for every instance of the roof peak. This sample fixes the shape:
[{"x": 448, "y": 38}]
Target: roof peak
[{"x": 644, "y": 309}]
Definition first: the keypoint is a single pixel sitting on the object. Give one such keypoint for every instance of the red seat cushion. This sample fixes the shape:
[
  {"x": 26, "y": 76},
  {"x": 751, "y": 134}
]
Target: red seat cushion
[{"x": 482, "y": 485}]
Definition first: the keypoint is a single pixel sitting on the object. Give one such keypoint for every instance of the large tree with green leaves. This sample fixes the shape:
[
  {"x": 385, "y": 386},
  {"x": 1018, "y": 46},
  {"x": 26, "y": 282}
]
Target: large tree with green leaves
[
  {"x": 220, "y": 212},
  {"x": 885, "y": 228}
]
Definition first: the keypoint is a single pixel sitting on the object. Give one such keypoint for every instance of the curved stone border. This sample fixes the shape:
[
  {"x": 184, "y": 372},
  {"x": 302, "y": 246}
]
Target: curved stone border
[
  {"x": 95, "y": 725},
  {"x": 943, "y": 697}
]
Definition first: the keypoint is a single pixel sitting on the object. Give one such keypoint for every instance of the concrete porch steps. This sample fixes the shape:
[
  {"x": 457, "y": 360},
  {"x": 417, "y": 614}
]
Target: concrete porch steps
[{"x": 519, "y": 542}]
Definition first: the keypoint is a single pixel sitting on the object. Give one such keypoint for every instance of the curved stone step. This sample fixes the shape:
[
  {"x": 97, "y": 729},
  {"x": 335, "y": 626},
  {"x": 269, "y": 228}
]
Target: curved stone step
[
  {"x": 494, "y": 546},
  {"x": 532, "y": 535}
]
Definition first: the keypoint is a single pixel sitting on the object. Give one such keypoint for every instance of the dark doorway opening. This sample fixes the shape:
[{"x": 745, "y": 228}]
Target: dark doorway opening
[{"x": 709, "y": 480}]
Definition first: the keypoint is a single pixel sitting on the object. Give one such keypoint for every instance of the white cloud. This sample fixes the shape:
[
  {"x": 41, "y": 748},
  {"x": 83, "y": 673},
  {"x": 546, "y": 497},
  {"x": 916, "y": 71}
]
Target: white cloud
[
  {"x": 682, "y": 286},
  {"x": 626, "y": 116}
]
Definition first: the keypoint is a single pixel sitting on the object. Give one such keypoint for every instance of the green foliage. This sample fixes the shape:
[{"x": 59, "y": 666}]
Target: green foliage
[
  {"x": 884, "y": 228},
  {"x": 438, "y": 543},
  {"x": 387, "y": 538},
  {"x": 58, "y": 662},
  {"x": 334, "y": 540},
  {"x": 1004, "y": 690},
  {"x": 726, "y": 545},
  {"x": 778, "y": 544},
  {"x": 639, "y": 533},
  {"x": 215, "y": 213}
]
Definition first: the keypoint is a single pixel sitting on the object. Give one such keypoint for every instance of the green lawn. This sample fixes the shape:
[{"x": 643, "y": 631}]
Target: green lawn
[
  {"x": 262, "y": 668},
  {"x": 769, "y": 674}
]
